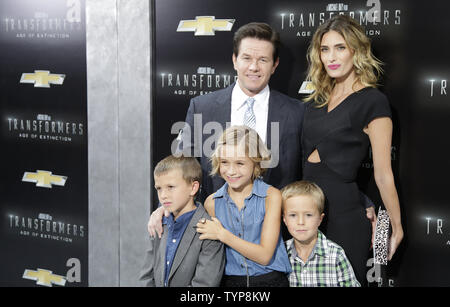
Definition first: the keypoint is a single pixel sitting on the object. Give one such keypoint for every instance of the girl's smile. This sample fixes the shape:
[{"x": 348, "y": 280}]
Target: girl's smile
[{"x": 235, "y": 167}]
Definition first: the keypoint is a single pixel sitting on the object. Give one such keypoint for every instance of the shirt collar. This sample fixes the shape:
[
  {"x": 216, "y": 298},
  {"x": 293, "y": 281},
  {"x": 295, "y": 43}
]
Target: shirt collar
[
  {"x": 240, "y": 97},
  {"x": 181, "y": 219},
  {"x": 320, "y": 248},
  {"x": 257, "y": 190}
]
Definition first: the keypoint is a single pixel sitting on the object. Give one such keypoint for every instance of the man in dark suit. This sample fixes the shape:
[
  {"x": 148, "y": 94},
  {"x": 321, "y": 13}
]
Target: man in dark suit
[
  {"x": 278, "y": 117},
  {"x": 249, "y": 101}
]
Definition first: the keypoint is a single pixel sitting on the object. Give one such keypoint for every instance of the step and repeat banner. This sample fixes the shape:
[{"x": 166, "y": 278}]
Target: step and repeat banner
[
  {"x": 43, "y": 105},
  {"x": 192, "y": 56}
]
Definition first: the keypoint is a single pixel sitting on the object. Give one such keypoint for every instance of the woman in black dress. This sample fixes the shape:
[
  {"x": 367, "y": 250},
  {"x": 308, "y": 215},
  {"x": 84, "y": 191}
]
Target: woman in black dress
[{"x": 345, "y": 114}]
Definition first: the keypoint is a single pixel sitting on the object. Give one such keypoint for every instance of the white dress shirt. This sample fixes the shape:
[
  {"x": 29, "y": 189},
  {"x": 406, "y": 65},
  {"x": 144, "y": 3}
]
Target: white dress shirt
[{"x": 260, "y": 108}]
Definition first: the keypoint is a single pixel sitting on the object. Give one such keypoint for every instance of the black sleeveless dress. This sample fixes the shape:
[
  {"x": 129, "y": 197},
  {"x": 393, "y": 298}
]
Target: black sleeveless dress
[{"x": 342, "y": 145}]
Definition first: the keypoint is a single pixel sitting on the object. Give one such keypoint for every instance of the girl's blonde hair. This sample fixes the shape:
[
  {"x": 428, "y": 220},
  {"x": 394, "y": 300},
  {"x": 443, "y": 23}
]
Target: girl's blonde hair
[
  {"x": 247, "y": 139},
  {"x": 367, "y": 66}
]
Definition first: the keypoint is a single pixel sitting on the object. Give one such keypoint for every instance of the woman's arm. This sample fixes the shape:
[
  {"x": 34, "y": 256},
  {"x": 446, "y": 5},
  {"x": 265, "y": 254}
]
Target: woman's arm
[
  {"x": 380, "y": 135},
  {"x": 261, "y": 253}
]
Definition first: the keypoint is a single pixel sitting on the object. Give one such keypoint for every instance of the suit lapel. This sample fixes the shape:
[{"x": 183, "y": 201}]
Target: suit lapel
[
  {"x": 275, "y": 114},
  {"x": 161, "y": 266},
  {"x": 223, "y": 111},
  {"x": 186, "y": 240}
]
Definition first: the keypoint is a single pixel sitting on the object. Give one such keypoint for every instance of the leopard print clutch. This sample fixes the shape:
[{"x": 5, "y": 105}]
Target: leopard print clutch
[{"x": 381, "y": 240}]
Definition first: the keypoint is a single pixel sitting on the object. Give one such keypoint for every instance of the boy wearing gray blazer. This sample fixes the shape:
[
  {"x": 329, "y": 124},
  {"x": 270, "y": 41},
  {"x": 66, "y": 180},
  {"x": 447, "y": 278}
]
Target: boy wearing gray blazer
[{"x": 179, "y": 258}]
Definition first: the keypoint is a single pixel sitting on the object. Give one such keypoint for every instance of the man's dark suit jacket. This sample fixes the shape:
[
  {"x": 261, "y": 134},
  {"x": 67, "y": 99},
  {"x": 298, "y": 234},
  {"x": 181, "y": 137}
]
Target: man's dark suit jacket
[{"x": 216, "y": 107}]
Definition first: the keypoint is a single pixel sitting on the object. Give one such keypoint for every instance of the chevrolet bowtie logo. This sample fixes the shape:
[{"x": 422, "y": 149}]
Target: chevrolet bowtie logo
[
  {"x": 44, "y": 277},
  {"x": 44, "y": 179},
  {"x": 42, "y": 78},
  {"x": 306, "y": 88},
  {"x": 205, "y": 25}
]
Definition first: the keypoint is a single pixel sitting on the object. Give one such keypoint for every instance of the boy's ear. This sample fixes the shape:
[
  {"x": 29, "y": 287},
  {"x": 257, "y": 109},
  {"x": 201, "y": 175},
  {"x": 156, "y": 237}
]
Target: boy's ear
[
  {"x": 195, "y": 187},
  {"x": 321, "y": 218}
]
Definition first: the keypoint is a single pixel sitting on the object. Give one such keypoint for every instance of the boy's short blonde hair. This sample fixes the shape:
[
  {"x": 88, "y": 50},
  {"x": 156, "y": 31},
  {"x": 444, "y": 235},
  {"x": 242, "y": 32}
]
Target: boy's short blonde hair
[
  {"x": 189, "y": 167},
  {"x": 304, "y": 188},
  {"x": 255, "y": 148}
]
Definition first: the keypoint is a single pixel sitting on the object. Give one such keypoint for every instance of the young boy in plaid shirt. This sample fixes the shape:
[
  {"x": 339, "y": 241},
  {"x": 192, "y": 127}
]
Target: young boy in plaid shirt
[{"x": 316, "y": 261}]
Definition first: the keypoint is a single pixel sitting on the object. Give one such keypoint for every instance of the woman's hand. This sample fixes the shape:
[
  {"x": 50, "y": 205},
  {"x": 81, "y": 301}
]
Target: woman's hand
[
  {"x": 396, "y": 238},
  {"x": 154, "y": 225},
  {"x": 210, "y": 229}
]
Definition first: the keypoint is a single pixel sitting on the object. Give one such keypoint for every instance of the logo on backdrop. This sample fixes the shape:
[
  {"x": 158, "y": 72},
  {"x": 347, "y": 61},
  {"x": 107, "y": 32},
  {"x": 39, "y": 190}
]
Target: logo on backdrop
[
  {"x": 42, "y": 78},
  {"x": 43, "y": 127},
  {"x": 436, "y": 227},
  {"x": 205, "y": 25},
  {"x": 44, "y": 227},
  {"x": 46, "y": 278},
  {"x": 368, "y": 162},
  {"x": 44, "y": 179},
  {"x": 438, "y": 87},
  {"x": 203, "y": 81},
  {"x": 46, "y": 25},
  {"x": 306, "y": 88},
  {"x": 374, "y": 17}
]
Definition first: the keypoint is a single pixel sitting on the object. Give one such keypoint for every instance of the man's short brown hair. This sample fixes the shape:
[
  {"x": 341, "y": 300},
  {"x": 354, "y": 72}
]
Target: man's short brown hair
[{"x": 260, "y": 31}]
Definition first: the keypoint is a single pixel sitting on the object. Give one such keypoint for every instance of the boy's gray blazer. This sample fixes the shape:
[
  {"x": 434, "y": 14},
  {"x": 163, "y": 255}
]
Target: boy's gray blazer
[{"x": 197, "y": 262}]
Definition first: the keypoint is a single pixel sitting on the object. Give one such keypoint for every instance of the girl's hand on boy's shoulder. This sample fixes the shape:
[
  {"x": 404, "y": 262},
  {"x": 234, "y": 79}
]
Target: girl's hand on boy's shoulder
[{"x": 210, "y": 229}]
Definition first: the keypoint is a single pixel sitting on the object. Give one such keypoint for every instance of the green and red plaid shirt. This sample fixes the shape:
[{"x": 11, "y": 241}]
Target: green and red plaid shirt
[{"x": 327, "y": 266}]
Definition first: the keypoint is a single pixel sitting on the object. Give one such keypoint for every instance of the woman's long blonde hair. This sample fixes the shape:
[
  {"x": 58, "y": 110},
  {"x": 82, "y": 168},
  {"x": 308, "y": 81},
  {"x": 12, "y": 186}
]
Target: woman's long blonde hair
[{"x": 367, "y": 66}]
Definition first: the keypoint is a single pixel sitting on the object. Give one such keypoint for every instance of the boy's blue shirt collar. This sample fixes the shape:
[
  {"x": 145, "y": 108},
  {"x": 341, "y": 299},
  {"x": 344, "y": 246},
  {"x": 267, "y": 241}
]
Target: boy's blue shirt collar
[{"x": 170, "y": 219}]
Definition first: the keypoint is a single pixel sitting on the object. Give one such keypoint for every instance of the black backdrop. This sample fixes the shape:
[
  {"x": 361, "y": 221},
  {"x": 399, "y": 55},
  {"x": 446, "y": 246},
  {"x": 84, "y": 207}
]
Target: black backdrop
[
  {"x": 408, "y": 36},
  {"x": 43, "y": 129},
  {"x": 46, "y": 128}
]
